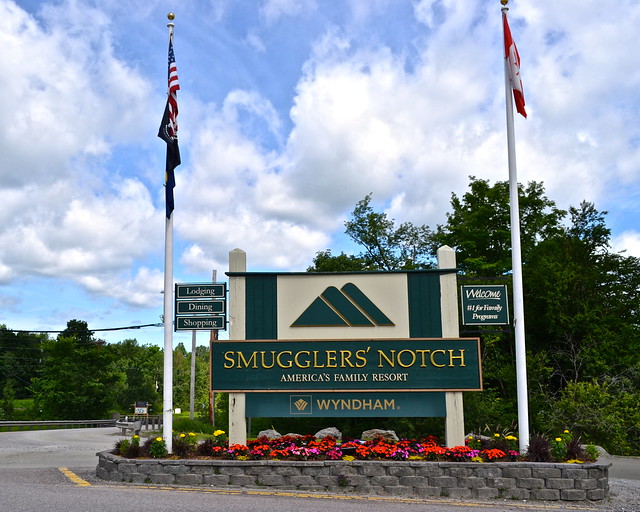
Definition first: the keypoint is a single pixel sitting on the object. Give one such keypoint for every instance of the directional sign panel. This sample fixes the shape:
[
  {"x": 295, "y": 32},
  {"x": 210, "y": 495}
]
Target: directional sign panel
[
  {"x": 193, "y": 307},
  {"x": 199, "y": 323},
  {"x": 201, "y": 291}
]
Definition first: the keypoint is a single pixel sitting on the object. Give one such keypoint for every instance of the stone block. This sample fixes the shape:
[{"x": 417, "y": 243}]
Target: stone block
[
  {"x": 215, "y": 480},
  {"x": 545, "y": 494},
  {"x": 443, "y": 481},
  {"x": 401, "y": 471},
  {"x": 560, "y": 483},
  {"x": 427, "y": 491},
  {"x": 501, "y": 483},
  {"x": 189, "y": 479},
  {"x": 385, "y": 481},
  {"x": 430, "y": 470},
  {"x": 485, "y": 493},
  {"x": 287, "y": 470},
  {"x": 456, "y": 492},
  {"x": 573, "y": 494},
  {"x": 517, "y": 494},
  {"x": 516, "y": 472},
  {"x": 162, "y": 478},
  {"x": 596, "y": 494},
  {"x": 488, "y": 471},
  {"x": 587, "y": 483},
  {"x": 176, "y": 469},
  {"x": 271, "y": 480},
  {"x": 413, "y": 481},
  {"x": 546, "y": 472},
  {"x": 458, "y": 472},
  {"x": 472, "y": 482},
  {"x": 373, "y": 470},
  {"x": 530, "y": 483},
  {"x": 399, "y": 490},
  {"x": 242, "y": 480},
  {"x": 301, "y": 480},
  {"x": 575, "y": 473},
  {"x": 127, "y": 469}
]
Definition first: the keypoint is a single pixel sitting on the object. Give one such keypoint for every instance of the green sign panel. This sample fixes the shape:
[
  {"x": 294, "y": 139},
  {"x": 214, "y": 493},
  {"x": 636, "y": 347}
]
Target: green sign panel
[
  {"x": 199, "y": 323},
  {"x": 342, "y": 405},
  {"x": 193, "y": 307},
  {"x": 201, "y": 291},
  {"x": 484, "y": 304},
  {"x": 414, "y": 364}
]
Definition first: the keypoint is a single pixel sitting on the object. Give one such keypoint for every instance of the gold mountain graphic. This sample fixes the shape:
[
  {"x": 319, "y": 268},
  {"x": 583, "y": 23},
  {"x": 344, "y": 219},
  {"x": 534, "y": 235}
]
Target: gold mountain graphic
[{"x": 346, "y": 307}]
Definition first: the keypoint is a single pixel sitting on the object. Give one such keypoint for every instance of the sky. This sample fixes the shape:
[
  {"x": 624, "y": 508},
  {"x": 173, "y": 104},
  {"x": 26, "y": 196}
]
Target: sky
[{"x": 290, "y": 112}]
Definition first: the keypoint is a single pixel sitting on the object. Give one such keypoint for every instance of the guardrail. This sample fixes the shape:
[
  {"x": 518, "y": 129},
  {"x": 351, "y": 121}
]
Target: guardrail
[{"x": 148, "y": 423}]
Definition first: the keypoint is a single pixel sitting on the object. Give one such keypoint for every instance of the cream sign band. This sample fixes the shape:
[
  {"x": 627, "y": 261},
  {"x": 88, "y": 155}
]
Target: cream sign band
[{"x": 413, "y": 364}]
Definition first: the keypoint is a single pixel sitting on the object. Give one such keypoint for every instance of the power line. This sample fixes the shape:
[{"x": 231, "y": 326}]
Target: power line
[{"x": 91, "y": 330}]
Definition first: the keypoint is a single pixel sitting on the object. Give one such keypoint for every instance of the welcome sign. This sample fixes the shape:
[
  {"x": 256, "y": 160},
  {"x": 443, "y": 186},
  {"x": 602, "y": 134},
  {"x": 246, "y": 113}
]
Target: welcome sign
[{"x": 414, "y": 364}]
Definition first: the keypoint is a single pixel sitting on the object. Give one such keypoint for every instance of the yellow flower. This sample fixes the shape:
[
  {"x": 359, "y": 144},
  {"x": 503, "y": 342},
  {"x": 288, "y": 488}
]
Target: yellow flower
[
  {"x": 496, "y": 435},
  {"x": 136, "y": 436},
  {"x": 566, "y": 431},
  {"x": 558, "y": 439},
  {"x": 348, "y": 458},
  {"x": 159, "y": 439},
  {"x": 511, "y": 438},
  {"x": 191, "y": 434},
  {"x": 218, "y": 433},
  {"x": 182, "y": 435}
]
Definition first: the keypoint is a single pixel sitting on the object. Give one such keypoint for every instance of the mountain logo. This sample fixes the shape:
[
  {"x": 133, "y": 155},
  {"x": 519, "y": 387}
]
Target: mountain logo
[{"x": 344, "y": 307}]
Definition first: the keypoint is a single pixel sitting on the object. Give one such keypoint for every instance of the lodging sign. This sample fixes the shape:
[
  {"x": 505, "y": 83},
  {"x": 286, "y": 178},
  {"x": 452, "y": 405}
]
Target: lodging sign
[
  {"x": 484, "y": 304},
  {"x": 413, "y": 364}
]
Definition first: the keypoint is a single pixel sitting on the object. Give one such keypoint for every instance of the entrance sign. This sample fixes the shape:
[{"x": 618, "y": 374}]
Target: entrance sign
[
  {"x": 484, "y": 304},
  {"x": 341, "y": 405},
  {"x": 408, "y": 365}
]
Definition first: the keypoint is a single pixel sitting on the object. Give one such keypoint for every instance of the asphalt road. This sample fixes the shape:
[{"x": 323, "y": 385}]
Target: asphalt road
[{"x": 55, "y": 471}]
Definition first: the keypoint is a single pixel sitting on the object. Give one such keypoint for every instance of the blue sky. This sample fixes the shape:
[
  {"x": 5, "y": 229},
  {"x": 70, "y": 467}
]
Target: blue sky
[{"x": 291, "y": 111}]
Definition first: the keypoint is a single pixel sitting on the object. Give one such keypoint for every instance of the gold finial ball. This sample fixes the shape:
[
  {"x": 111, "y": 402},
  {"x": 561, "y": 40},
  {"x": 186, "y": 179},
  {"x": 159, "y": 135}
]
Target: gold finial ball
[
  {"x": 172, "y": 16},
  {"x": 504, "y": 2}
]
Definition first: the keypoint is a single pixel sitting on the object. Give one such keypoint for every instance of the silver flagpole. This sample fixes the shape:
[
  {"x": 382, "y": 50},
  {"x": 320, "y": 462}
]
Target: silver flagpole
[
  {"x": 516, "y": 262},
  {"x": 167, "y": 392}
]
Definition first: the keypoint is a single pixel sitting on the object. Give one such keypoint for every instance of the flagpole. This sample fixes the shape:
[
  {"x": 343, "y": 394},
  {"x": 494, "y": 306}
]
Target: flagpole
[
  {"x": 167, "y": 408},
  {"x": 516, "y": 263}
]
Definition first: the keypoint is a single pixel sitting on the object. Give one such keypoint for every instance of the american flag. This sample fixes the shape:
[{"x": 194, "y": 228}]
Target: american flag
[{"x": 169, "y": 129}]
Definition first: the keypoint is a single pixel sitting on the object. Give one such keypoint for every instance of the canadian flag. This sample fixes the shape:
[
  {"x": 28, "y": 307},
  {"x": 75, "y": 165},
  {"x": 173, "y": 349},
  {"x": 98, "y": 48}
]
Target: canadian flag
[{"x": 513, "y": 57}]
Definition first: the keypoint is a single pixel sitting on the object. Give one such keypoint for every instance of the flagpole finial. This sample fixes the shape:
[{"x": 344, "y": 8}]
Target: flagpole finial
[
  {"x": 172, "y": 16},
  {"x": 504, "y": 2}
]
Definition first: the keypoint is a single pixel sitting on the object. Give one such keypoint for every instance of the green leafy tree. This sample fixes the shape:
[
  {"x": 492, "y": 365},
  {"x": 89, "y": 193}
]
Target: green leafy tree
[
  {"x": 75, "y": 381},
  {"x": 325, "y": 262},
  {"x": 479, "y": 226},
  {"x": 20, "y": 359}
]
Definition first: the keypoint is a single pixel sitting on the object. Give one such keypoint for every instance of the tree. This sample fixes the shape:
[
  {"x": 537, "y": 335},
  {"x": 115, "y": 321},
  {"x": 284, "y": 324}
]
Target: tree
[
  {"x": 76, "y": 380},
  {"x": 325, "y": 262},
  {"x": 19, "y": 359},
  {"x": 479, "y": 227}
]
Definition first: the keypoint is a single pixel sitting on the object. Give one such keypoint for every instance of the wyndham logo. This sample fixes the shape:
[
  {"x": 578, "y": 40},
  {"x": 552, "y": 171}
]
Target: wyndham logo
[
  {"x": 345, "y": 307},
  {"x": 300, "y": 404}
]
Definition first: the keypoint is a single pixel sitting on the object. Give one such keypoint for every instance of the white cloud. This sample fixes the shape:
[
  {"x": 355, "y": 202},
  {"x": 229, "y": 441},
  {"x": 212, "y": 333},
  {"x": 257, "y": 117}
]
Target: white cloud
[{"x": 628, "y": 243}]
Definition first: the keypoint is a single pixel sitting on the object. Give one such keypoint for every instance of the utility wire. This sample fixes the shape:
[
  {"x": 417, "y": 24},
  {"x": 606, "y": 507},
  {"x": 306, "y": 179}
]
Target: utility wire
[{"x": 91, "y": 330}]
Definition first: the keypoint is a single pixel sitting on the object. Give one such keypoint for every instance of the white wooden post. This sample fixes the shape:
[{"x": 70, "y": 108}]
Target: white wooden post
[
  {"x": 454, "y": 423},
  {"x": 237, "y": 331}
]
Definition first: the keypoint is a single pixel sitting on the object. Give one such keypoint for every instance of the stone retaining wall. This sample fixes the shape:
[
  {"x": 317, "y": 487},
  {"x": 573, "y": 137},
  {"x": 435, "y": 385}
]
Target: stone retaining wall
[{"x": 512, "y": 480}]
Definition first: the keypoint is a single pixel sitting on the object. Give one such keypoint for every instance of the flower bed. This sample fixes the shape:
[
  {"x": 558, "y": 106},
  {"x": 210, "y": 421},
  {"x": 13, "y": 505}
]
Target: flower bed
[{"x": 483, "y": 468}]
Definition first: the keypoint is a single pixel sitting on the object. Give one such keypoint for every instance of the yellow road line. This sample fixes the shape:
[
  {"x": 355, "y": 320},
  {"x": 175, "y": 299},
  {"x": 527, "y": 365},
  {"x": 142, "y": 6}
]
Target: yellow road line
[{"x": 74, "y": 478}]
